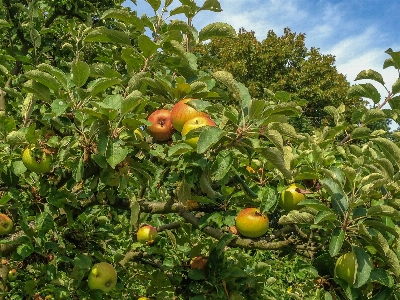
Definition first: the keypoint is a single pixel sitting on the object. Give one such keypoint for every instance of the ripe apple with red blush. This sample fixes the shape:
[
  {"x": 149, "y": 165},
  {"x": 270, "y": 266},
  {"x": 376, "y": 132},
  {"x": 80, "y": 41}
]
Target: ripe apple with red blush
[
  {"x": 161, "y": 128},
  {"x": 182, "y": 112},
  {"x": 250, "y": 222}
]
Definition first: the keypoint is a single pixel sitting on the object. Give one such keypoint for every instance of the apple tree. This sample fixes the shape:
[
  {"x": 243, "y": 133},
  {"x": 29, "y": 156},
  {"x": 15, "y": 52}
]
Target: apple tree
[{"x": 93, "y": 195}]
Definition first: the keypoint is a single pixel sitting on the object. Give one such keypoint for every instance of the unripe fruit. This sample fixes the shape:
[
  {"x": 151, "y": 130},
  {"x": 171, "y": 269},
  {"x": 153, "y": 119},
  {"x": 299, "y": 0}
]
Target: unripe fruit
[
  {"x": 346, "y": 266},
  {"x": 12, "y": 275},
  {"x": 147, "y": 234},
  {"x": 103, "y": 277},
  {"x": 250, "y": 222},
  {"x": 6, "y": 224},
  {"x": 32, "y": 164},
  {"x": 193, "y": 124},
  {"x": 291, "y": 197}
]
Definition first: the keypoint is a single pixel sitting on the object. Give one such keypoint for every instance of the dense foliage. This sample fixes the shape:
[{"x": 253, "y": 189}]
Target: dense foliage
[
  {"x": 77, "y": 84},
  {"x": 282, "y": 63}
]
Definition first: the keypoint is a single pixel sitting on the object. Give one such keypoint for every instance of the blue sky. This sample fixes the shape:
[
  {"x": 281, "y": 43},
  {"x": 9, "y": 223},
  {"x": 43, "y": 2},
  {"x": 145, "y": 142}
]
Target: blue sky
[{"x": 356, "y": 32}]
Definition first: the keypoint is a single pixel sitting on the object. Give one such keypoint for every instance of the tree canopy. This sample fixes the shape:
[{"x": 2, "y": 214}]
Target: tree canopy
[
  {"x": 93, "y": 205},
  {"x": 282, "y": 63}
]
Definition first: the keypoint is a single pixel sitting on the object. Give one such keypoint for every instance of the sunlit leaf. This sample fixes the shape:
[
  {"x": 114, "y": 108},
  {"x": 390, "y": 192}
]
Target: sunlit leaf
[
  {"x": 370, "y": 74},
  {"x": 217, "y": 30}
]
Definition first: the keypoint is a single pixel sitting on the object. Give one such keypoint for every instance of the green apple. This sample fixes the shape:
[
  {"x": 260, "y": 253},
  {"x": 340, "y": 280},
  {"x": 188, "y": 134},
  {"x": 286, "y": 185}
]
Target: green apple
[
  {"x": 146, "y": 234},
  {"x": 103, "y": 276},
  {"x": 291, "y": 197},
  {"x": 161, "y": 128},
  {"x": 181, "y": 113},
  {"x": 250, "y": 222},
  {"x": 36, "y": 160},
  {"x": 6, "y": 224},
  {"x": 346, "y": 266},
  {"x": 144, "y": 298},
  {"x": 193, "y": 124},
  {"x": 12, "y": 275}
]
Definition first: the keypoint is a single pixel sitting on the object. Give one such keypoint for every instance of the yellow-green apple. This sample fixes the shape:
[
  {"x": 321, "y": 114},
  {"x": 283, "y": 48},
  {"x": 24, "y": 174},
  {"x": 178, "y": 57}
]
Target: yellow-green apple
[
  {"x": 36, "y": 160},
  {"x": 345, "y": 267},
  {"x": 12, "y": 275},
  {"x": 146, "y": 234},
  {"x": 161, "y": 128},
  {"x": 137, "y": 133},
  {"x": 144, "y": 298},
  {"x": 102, "y": 276},
  {"x": 193, "y": 124},
  {"x": 6, "y": 224},
  {"x": 181, "y": 113},
  {"x": 290, "y": 197},
  {"x": 250, "y": 222}
]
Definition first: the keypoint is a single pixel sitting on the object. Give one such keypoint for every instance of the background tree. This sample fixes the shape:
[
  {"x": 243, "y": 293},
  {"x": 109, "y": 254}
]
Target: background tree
[{"x": 283, "y": 63}]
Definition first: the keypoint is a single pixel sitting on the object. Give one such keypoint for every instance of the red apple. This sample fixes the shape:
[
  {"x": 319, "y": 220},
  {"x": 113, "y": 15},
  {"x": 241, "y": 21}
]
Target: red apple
[
  {"x": 193, "y": 124},
  {"x": 181, "y": 113},
  {"x": 250, "y": 222},
  {"x": 161, "y": 128}
]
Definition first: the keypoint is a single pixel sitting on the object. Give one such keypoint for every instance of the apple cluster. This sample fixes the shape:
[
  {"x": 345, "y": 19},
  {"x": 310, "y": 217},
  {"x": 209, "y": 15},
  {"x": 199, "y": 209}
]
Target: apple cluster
[{"x": 182, "y": 118}]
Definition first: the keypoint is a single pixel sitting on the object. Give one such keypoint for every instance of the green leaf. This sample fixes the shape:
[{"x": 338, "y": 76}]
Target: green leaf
[
  {"x": 217, "y": 30},
  {"x": 208, "y": 137},
  {"x": 315, "y": 204},
  {"x": 78, "y": 169},
  {"x": 394, "y": 102},
  {"x": 370, "y": 74},
  {"x": 147, "y": 46},
  {"x": 389, "y": 149},
  {"x": 384, "y": 211},
  {"x": 325, "y": 216},
  {"x": 396, "y": 87},
  {"x": 339, "y": 200},
  {"x": 360, "y": 133},
  {"x": 55, "y": 72},
  {"x": 102, "y": 84},
  {"x": 256, "y": 109},
  {"x": 366, "y": 90},
  {"x": 239, "y": 91},
  {"x": 212, "y": 5},
  {"x": 44, "y": 222},
  {"x": 106, "y": 35},
  {"x": 178, "y": 149},
  {"x": 276, "y": 159},
  {"x": 336, "y": 242},
  {"x": 124, "y": 16},
  {"x": 4, "y": 23},
  {"x": 221, "y": 165},
  {"x": 187, "y": 10},
  {"x": 130, "y": 102},
  {"x": 59, "y": 106},
  {"x": 381, "y": 276},
  {"x": 393, "y": 61},
  {"x": 41, "y": 91},
  {"x": 373, "y": 115},
  {"x": 116, "y": 152},
  {"x": 25, "y": 250},
  {"x": 155, "y": 4},
  {"x": 103, "y": 70},
  {"x": 296, "y": 217},
  {"x": 364, "y": 267},
  {"x": 80, "y": 72}
]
